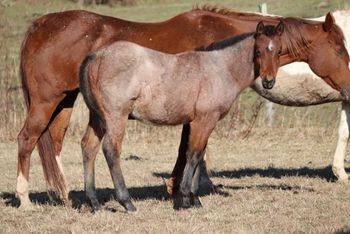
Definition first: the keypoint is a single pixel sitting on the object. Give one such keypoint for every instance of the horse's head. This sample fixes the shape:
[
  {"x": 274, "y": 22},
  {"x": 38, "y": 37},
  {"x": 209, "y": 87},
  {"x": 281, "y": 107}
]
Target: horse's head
[
  {"x": 329, "y": 58},
  {"x": 267, "y": 51}
]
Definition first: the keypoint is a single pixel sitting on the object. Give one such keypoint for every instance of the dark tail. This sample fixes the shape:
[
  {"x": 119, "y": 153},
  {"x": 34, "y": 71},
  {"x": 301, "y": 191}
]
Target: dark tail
[
  {"x": 85, "y": 85},
  {"x": 54, "y": 177}
]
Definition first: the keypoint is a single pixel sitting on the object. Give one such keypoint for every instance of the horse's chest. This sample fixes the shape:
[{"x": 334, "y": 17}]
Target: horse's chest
[{"x": 216, "y": 95}]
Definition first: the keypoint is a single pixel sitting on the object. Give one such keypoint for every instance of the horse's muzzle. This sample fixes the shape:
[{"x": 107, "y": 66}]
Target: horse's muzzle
[{"x": 268, "y": 84}]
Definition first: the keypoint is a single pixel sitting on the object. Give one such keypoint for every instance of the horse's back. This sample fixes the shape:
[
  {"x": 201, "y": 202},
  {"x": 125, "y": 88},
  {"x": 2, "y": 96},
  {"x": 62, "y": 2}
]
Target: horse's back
[{"x": 62, "y": 40}]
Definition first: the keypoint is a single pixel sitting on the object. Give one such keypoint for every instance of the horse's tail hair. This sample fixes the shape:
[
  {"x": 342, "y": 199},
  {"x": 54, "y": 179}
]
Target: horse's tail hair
[
  {"x": 53, "y": 176},
  {"x": 85, "y": 84}
]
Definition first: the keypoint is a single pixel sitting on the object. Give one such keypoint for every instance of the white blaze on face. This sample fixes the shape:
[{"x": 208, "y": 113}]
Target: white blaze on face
[{"x": 270, "y": 46}]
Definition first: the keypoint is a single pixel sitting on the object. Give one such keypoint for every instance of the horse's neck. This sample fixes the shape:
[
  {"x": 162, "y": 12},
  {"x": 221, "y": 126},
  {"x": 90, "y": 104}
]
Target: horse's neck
[
  {"x": 237, "y": 60},
  {"x": 298, "y": 39}
]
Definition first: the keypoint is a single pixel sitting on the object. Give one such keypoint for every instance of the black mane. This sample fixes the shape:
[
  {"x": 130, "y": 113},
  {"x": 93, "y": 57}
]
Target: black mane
[{"x": 226, "y": 42}]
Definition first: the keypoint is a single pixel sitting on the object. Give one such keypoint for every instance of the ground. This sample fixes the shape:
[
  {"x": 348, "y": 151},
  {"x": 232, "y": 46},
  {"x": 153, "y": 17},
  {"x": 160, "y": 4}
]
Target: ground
[{"x": 273, "y": 182}]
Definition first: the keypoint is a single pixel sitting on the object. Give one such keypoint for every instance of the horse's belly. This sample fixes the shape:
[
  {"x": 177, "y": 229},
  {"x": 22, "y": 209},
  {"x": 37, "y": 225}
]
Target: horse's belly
[
  {"x": 164, "y": 111},
  {"x": 162, "y": 116},
  {"x": 301, "y": 89}
]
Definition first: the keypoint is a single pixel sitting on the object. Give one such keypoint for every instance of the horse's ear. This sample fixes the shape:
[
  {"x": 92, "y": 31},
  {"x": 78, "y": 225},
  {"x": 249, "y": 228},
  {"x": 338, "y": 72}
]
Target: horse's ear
[
  {"x": 280, "y": 28},
  {"x": 329, "y": 22},
  {"x": 260, "y": 28}
]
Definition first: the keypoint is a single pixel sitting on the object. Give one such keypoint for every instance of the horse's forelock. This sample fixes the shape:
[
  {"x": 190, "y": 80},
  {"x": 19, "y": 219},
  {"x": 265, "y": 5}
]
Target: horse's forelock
[{"x": 269, "y": 30}]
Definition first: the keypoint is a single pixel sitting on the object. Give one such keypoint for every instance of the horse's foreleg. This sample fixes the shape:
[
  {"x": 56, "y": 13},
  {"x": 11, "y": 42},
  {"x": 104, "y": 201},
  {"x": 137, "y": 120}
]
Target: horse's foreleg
[
  {"x": 112, "y": 148},
  {"x": 343, "y": 138},
  {"x": 195, "y": 184},
  {"x": 36, "y": 122},
  {"x": 200, "y": 132},
  {"x": 90, "y": 145},
  {"x": 201, "y": 174}
]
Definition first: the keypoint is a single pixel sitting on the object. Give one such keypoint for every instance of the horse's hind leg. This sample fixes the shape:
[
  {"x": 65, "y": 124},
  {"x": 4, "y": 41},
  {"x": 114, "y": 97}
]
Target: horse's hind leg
[
  {"x": 200, "y": 132},
  {"x": 173, "y": 182},
  {"x": 343, "y": 139},
  {"x": 37, "y": 120},
  {"x": 90, "y": 145},
  {"x": 112, "y": 148}
]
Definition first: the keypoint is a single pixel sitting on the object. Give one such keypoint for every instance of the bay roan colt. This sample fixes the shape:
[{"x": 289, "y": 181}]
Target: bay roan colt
[
  {"x": 195, "y": 88},
  {"x": 56, "y": 44}
]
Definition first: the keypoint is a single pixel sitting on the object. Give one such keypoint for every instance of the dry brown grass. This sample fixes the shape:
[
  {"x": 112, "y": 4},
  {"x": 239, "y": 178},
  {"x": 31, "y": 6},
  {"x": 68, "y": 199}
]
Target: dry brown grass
[{"x": 278, "y": 181}]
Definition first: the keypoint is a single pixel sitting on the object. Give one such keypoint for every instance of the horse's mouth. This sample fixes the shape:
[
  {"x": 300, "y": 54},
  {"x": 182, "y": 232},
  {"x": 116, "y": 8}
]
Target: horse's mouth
[{"x": 268, "y": 84}]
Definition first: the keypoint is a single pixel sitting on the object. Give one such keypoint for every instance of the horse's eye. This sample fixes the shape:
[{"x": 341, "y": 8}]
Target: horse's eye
[
  {"x": 257, "y": 53},
  {"x": 279, "y": 52}
]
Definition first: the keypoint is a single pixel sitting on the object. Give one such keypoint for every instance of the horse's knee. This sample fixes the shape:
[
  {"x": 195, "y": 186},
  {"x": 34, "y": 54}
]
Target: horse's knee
[
  {"x": 26, "y": 144},
  {"x": 90, "y": 144}
]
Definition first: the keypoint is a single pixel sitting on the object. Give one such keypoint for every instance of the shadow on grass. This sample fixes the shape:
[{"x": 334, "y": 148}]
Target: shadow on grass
[
  {"x": 271, "y": 172},
  {"x": 78, "y": 198},
  {"x": 158, "y": 192}
]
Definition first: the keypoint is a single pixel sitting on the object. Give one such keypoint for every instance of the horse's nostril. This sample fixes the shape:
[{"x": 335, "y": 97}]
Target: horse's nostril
[{"x": 268, "y": 84}]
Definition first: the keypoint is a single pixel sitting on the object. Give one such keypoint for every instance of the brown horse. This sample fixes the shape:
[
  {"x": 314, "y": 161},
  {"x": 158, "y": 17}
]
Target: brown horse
[
  {"x": 56, "y": 44},
  {"x": 195, "y": 88}
]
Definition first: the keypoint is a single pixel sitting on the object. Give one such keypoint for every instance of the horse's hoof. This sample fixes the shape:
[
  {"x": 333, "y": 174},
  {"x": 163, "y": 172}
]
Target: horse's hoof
[
  {"x": 96, "y": 207},
  {"x": 182, "y": 202},
  {"x": 341, "y": 174},
  {"x": 26, "y": 207},
  {"x": 196, "y": 202},
  {"x": 343, "y": 180},
  {"x": 169, "y": 183},
  {"x": 130, "y": 208},
  {"x": 24, "y": 203}
]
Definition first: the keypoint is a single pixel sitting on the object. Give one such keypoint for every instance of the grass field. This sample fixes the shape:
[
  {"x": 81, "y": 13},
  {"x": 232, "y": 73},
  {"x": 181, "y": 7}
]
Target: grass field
[{"x": 278, "y": 180}]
